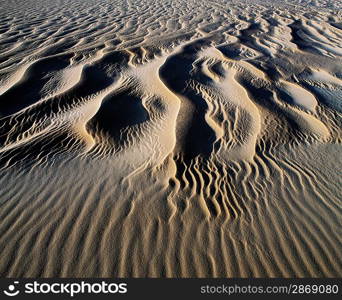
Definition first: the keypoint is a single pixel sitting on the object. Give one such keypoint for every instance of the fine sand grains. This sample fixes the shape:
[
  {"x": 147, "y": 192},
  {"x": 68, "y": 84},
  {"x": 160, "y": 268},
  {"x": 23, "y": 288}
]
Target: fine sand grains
[{"x": 170, "y": 138}]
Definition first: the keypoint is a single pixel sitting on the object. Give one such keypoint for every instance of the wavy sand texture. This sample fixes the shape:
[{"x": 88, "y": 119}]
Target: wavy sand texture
[{"x": 170, "y": 138}]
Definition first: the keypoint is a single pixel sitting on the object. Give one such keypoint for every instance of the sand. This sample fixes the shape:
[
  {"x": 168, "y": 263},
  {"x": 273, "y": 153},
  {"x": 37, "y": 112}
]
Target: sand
[{"x": 170, "y": 138}]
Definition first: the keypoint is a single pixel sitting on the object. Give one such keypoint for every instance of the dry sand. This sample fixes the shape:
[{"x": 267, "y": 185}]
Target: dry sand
[{"x": 170, "y": 138}]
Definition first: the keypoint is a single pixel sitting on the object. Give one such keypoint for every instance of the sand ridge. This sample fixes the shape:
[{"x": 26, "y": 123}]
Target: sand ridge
[{"x": 170, "y": 138}]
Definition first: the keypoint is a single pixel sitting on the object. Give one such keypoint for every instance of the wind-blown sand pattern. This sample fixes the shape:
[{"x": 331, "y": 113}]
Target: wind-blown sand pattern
[{"x": 170, "y": 138}]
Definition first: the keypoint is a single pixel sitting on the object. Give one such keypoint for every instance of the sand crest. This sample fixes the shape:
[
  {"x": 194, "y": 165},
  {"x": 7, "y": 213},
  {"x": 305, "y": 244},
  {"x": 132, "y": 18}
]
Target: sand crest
[{"x": 170, "y": 138}]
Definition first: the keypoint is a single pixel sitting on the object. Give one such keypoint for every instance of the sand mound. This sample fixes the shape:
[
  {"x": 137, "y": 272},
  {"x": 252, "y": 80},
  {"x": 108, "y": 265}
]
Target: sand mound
[{"x": 170, "y": 138}]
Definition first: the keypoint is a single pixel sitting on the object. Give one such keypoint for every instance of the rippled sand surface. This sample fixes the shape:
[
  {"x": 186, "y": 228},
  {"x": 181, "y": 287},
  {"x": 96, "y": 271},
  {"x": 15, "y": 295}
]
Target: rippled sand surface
[{"x": 170, "y": 138}]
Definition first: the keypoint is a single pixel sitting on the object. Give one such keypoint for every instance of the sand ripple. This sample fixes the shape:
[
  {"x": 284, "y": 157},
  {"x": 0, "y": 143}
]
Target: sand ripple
[{"x": 170, "y": 138}]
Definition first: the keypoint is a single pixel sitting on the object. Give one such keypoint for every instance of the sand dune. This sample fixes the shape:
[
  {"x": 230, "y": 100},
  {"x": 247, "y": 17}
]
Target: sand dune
[{"x": 170, "y": 138}]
